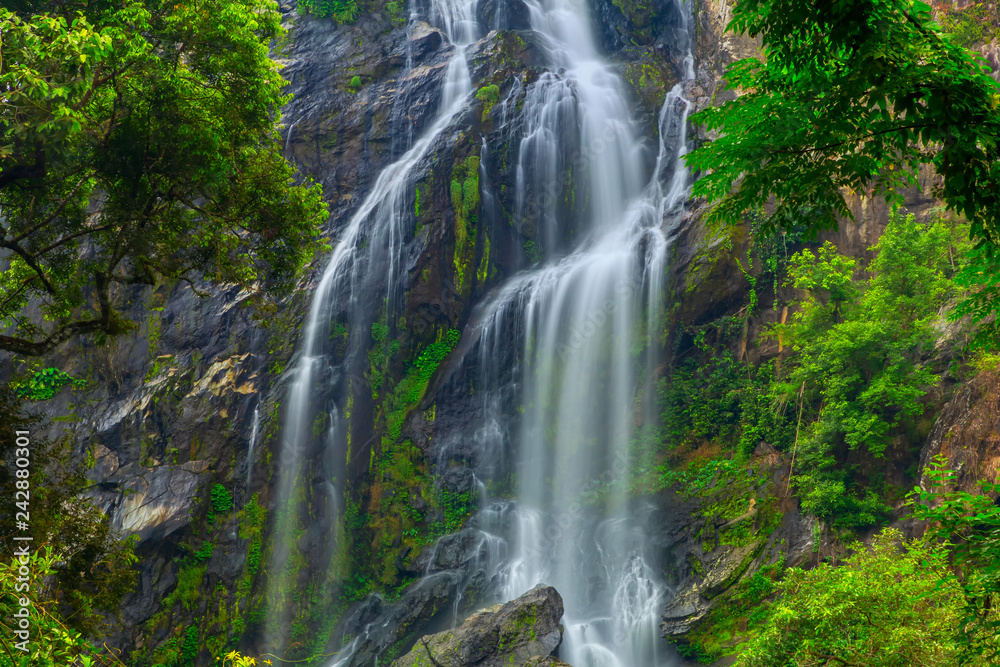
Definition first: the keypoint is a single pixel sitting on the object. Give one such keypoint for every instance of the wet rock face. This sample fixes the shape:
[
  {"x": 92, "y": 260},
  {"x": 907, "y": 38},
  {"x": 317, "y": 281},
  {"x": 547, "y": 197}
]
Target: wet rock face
[
  {"x": 503, "y": 14},
  {"x": 524, "y": 631},
  {"x": 704, "y": 559}
]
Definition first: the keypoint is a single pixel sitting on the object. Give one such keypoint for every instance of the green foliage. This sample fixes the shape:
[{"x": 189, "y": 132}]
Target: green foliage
[
  {"x": 979, "y": 277},
  {"x": 408, "y": 393},
  {"x": 92, "y": 566},
  {"x": 253, "y": 557},
  {"x": 349, "y": 11},
  {"x": 355, "y": 84},
  {"x": 714, "y": 398},
  {"x": 859, "y": 364},
  {"x": 849, "y": 96},
  {"x": 489, "y": 96},
  {"x": 973, "y": 25},
  {"x": 455, "y": 510},
  {"x": 188, "y": 588},
  {"x": 205, "y": 551},
  {"x": 735, "y": 619},
  {"x": 883, "y": 607},
  {"x": 222, "y": 500},
  {"x": 970, "y": 525},
  {"x": 341, "y": 11},
  {"x": 189, "y": 647},
  {"x": 533, "y": 252},
  {"x": 164, "y": 115},
  {"x": 381, "y": 351},
  {"x": 51, "y": 642},
  {"x": 44, "y": 384}
]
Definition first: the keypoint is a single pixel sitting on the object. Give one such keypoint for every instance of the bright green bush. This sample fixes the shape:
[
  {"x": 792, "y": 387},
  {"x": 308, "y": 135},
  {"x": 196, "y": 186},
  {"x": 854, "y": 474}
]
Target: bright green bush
[
  {"x": 44, "y": 384},
  {"x": 859, "y": 367},
  {"x": 222, "y": 500},
  {"x": 885, "y": 606}
]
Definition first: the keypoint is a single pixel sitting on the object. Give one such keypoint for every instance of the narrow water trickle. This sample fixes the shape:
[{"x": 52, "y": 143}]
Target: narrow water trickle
[{"x": 254, "y": 431}]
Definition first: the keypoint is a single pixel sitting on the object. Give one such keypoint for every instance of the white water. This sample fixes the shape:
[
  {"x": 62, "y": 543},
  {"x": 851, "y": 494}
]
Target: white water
[
  {"x": 587, "y": 319},
  {"x": 584, "y": 318},
  {"x": 255, "y": 429},
  {"x": 367, "y": 252}
]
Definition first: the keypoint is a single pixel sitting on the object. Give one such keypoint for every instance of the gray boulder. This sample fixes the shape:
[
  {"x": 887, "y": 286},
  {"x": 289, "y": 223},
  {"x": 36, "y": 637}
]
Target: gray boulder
[{"x": 522, "y": 632}]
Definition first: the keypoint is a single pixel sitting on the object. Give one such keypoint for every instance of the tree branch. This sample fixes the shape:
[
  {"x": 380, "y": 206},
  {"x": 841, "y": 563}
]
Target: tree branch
[
  {"x": 52, "y": 217},
  {"x": 31, "y": 348},
  {"x": 30, "y": 261}
]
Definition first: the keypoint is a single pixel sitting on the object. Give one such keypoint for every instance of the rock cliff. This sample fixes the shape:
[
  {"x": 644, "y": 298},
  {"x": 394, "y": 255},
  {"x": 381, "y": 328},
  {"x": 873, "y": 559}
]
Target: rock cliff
[{"x": 193, "y": 399}]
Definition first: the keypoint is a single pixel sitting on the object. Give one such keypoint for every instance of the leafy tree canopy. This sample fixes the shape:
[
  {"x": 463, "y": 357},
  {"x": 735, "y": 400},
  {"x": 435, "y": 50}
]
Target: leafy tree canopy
[
  {"x": 137, "y": 144},
  {"x": 851, "y": 95},
  {"x": 884, "y": 607},
  {"x": 861, "y": 351}
]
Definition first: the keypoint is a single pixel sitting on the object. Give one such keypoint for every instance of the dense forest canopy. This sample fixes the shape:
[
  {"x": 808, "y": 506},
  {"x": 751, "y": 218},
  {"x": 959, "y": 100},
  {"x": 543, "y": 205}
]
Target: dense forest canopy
[
  {"x": 851, "y": 96},
  {"x": 139, "y": 145}
]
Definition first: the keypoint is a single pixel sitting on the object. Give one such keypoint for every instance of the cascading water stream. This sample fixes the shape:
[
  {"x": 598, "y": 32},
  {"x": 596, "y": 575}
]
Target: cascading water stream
[
  {"x": 254, "y": 432},
  {"x": 583, "y": 318},
  {"x": 364, "y": 262},
  {"x": 586, "y": 320}
]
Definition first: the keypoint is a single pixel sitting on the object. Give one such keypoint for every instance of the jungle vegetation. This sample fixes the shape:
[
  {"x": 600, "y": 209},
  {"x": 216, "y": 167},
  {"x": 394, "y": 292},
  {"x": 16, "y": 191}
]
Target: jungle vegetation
[
  {"x": 139, "y": 145},
  {"x": 860, "y": 96}
]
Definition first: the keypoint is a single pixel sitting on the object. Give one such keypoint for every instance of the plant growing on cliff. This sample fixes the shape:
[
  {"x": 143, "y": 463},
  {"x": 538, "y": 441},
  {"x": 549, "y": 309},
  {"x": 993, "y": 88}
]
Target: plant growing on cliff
[
  {"x": 969, "y": 524},
  {"x": 883, "y": 607},
  {"x": 222, "y": 500},
  {"x": 91, "y": 566},
  {"x": 48, "y": 640},
  {"x": 139, "y": 145},
  {"x": 850, "y": 96},
  {"x": 859, "y": 349}
]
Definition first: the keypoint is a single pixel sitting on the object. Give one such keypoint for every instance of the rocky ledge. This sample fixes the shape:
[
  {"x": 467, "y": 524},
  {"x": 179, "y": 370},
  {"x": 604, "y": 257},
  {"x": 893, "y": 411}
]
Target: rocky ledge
[{"x": 523, "y": 632}]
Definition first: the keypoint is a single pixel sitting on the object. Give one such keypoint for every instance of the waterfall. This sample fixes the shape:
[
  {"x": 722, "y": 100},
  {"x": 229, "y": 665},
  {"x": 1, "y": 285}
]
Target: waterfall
[
  {"x": 583, "y": 318},
  {"x": 363, "y": 269},
  {"x": 586, "y": 319}
]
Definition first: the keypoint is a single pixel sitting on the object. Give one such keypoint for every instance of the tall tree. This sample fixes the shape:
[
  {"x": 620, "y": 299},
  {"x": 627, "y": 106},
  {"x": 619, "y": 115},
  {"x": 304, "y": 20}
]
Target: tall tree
[
  {"x": 850, "y": 95},
  {"x": 137, "y": 144}
]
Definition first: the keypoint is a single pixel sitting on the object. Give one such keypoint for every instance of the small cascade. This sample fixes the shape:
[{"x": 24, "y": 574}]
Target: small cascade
[{"x": 254, "y": 431}]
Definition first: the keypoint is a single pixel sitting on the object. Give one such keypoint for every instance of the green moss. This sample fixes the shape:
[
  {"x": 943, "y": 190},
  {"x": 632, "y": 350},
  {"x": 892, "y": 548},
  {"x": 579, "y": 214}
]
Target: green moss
[
  {"x": 484, "y": 263},
  {"x": 734, "y": 619},
  {"x": 695, "y": 565},
  {"x": 408, "y": 393},
  {"x": 465, "y": 202},
  {"x": 188, "y": 586},
  {"x": 489, "y": 96}
]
